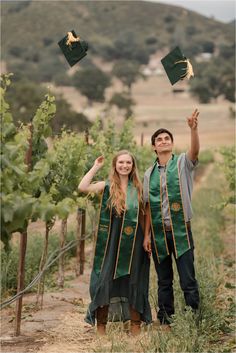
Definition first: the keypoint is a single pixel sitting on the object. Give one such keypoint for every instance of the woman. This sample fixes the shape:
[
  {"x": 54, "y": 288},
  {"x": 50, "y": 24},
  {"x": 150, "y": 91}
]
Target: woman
[{"x": 120, "y": 276}]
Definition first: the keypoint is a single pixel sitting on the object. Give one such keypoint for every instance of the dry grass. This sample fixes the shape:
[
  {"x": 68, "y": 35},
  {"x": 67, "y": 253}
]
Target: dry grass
[
  {"x": 157, "y": 106},
  {"x": 73, "y": 335}
]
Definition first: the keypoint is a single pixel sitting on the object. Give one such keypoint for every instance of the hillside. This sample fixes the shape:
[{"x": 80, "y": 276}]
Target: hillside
[
  {"x": 131, "y": 30},
  {"x": 114, "y": 29}
]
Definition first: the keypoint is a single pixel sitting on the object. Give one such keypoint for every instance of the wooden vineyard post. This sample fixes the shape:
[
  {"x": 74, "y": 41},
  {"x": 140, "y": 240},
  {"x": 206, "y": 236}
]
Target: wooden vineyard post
[
  {"x": 78, "y": 232},
  {"x": 81, "y": 225},
  {"x": 40, "y": 291},
  {"x": 23, "y": 246},
  {"x": 80, "y": 251},
  {"x": 141, "y": 140},
  {"x": 82, "y": 243},
  {"x": 20, "y": 280},
  {"x": 61, "y": 271}
]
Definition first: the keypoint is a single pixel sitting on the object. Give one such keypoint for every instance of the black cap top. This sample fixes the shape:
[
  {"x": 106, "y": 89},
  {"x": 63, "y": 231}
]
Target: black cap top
[
  {"x": 73, "y": 48},
  {"x": 177, "y": 66}
]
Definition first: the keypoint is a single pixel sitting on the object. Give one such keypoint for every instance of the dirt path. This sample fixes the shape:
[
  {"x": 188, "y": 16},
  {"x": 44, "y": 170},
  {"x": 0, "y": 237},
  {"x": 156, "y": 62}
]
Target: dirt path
[
  {"x": 60, "y": 325},
  {"x": 38, "y": 325}
]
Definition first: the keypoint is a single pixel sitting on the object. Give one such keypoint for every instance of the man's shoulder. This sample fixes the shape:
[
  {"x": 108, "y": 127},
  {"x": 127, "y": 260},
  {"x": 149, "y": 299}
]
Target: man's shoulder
[
  {"x": 148, "y": 172},
  {"x": 184, "y": 160},
  {"x": 181, "y": 157}
]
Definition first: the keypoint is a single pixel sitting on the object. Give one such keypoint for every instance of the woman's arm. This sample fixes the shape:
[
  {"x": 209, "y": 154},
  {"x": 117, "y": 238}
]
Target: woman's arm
[
  {"x": 147, "y": 238},
  {"x": 85, "y": 184}
]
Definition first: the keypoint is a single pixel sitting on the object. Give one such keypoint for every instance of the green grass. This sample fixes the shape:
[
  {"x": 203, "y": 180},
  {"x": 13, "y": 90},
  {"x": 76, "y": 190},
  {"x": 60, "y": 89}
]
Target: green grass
[
  {"x": 206, "y": 156},
  {"x": 9, "y": 262}
]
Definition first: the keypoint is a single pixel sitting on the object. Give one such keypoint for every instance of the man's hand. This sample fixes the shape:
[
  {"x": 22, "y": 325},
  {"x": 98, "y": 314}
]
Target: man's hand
[
  {"x": 147, "y": 245},
  {"x": 193, "y": 120},
  {"x": 195, "y": 145}
]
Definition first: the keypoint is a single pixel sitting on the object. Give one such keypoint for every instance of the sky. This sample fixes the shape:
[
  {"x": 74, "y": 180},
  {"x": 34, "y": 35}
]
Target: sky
[{"x": 222, "y": 10}]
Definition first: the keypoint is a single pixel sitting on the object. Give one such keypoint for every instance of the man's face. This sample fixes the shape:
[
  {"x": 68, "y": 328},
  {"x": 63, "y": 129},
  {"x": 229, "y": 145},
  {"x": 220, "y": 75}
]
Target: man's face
[{"x": 163, "y": 143}]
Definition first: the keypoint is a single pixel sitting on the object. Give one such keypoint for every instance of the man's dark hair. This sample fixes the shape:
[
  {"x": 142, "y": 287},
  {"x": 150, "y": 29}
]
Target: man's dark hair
[{"x": 158, "y": 132}]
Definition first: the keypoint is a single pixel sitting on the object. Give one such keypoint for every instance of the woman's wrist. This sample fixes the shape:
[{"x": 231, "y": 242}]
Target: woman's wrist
[{"x": 95, "y": 168}]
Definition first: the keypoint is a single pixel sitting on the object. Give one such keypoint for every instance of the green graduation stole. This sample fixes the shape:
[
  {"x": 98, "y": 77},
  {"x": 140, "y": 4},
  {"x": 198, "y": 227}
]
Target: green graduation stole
[
  {"x": 127, "y": 234},
  {"x": 177, "y": 219}
]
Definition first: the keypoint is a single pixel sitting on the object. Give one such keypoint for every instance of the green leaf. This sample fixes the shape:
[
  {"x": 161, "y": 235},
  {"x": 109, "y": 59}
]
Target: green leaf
[{"x": 6, "y": 163}]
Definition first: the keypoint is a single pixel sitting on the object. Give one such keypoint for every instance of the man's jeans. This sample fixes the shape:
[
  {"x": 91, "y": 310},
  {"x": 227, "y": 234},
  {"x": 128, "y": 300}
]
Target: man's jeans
[{"x": 188, "y": 283}]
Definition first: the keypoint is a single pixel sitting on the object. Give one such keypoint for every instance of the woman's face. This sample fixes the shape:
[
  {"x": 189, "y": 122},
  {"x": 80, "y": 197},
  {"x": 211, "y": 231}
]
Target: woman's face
[{"x": 124, "y": 164}]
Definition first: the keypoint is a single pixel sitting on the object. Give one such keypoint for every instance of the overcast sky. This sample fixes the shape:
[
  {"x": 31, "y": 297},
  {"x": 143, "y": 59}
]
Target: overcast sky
[{"x": 222, "y": 10}]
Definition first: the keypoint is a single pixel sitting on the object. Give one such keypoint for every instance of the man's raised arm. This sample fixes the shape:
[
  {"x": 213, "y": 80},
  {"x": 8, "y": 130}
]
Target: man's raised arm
[{"x": 195, "y": 145}]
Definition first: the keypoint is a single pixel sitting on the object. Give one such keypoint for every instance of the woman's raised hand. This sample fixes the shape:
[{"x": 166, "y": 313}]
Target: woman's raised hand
[
  {"x": 86, "y": 184},
  {"x": 99, "y": 162}
]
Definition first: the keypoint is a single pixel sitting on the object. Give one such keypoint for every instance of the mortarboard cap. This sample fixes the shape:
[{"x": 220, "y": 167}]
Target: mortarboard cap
[
  {"x": 73, "y": 48},
  {"x": 177, "y": 66}
]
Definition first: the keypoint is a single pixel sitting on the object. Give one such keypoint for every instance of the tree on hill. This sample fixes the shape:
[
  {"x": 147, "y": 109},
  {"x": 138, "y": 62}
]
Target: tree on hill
[
  {"x": 92, "y": 83},
  {"x": 200, "y": 89},
  {"x": 128, "y": 72},
  {"x": 24, "y": 97},
  {"x": 214, "y": 79},
  {"x": 128, "y": 47},
  {"x": 123, "y": 101},
  {"x": 65, "y": 116}
]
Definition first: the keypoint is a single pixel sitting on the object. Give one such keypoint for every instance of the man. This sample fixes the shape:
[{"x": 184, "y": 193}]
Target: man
[{"x": 167, "y": 194}]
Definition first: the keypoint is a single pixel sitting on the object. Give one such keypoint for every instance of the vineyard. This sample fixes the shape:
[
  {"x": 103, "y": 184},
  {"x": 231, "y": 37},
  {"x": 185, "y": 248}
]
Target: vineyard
[{"x": 39, "y": 182}]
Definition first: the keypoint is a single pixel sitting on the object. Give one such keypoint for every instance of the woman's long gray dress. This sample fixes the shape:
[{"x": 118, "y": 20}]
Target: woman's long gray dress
[{"x": 122, "y": 292}]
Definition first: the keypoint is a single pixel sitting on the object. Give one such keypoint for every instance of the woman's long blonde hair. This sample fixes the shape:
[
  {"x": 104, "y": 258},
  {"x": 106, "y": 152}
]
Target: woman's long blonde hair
[{"x": 117, "y": 196}]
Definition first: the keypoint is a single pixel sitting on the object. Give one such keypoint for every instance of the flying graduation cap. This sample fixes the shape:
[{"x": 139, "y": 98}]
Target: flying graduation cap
[
  {"x": 73, "y": 48},
  {"x": 177, "y": 66}
]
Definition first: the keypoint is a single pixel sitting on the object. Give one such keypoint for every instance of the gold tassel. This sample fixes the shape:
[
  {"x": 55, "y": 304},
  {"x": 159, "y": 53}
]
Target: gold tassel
[
  {"x": 189, "y": 69},
  {"x": 71, "y": 38}
]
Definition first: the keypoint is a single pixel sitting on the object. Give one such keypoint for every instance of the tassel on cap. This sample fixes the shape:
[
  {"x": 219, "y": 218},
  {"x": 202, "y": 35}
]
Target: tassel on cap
[
  {"x": 188, "y": 71},
  {"x": 71, "y": 38}
]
